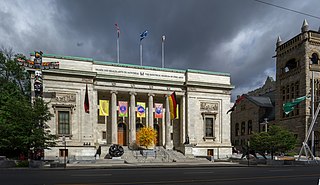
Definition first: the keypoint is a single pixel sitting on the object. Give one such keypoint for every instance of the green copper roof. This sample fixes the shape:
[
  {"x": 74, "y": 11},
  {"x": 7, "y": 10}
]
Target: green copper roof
[
  {"x": 65, "y": 57},
  {"x": 130, "y": 65},
  {"x": 208, "y": 72}
]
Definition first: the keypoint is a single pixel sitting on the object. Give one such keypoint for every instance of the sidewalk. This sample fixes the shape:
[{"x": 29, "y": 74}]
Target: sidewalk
[{"x": 149, "y": 165}]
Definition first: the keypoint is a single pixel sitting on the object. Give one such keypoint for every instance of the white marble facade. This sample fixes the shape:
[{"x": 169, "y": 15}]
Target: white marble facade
[{"x": 203, "y": 99}]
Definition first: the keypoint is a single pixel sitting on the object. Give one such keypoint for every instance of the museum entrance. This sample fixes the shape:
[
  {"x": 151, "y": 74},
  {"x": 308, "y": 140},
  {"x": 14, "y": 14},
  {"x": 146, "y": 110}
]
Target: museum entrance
[{"x": 122, "y": 134}]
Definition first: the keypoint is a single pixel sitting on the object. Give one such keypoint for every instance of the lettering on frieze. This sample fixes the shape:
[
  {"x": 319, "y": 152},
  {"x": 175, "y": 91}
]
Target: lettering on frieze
[
  {"x": 65, "y": 97},
  {"x": 208, "y": 107}
]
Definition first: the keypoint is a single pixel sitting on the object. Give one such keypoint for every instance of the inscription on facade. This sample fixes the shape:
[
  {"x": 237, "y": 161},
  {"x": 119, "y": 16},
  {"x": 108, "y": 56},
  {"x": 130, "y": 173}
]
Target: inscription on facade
[
  {"x": 60, "y": 97},
  {"x": 209, "y": 107},
  {"x": 139, "y": 73}
]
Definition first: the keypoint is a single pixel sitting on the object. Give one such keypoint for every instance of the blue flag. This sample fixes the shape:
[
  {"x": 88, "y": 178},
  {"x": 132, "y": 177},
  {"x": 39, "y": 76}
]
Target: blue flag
[{"x": 143, "y": 35}]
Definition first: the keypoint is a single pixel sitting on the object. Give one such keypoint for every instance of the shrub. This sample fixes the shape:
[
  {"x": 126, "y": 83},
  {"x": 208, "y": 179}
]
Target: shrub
[{"x": 147, "y": 136}]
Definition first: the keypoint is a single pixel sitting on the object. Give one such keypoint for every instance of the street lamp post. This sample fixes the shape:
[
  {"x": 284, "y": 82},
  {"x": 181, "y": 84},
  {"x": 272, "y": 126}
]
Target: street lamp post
[{"x": 265, "y": 123}]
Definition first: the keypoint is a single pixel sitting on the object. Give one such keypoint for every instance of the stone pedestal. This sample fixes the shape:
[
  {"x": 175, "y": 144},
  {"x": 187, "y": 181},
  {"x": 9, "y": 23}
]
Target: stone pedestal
[{"x": 188, "y": 150}]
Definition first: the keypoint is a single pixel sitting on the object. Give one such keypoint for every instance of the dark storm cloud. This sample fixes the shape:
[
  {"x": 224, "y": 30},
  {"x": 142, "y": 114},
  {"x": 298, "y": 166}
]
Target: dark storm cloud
[{"x": 232, "y": 36}]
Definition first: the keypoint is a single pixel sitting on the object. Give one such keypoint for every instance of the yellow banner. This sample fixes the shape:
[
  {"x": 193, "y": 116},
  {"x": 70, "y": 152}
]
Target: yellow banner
[
  {"x": 141, "y": 109},
  {"x": 177, "y": 117},
  {"x": 103, "y": 107}
]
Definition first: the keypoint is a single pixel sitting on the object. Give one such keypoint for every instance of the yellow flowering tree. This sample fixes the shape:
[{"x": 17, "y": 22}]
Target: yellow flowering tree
[{"x": 147, "y": 136}]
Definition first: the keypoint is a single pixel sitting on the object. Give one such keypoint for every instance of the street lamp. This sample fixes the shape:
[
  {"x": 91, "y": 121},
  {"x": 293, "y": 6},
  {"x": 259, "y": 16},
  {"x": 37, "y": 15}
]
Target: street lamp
[
  {"x": 265, "y": 123},
  {"x": 65, "y": 150}
]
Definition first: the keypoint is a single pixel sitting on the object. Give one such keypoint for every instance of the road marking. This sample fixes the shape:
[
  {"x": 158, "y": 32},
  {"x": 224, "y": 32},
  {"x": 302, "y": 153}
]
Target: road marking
[
  {"x": 196, "y": 172},
  {"x": 90, "y": 175},
  {"x": 282, "y": 170}
]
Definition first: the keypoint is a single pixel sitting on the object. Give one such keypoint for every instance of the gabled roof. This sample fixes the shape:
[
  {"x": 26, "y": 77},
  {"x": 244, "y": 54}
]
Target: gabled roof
[{"x": 261, "y": 101}]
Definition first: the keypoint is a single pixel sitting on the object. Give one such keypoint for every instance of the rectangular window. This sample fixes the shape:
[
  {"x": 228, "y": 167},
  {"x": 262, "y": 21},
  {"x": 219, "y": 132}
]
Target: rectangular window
[
  {"x": 288, "y": 93},
  {"x": 209, "y": 127},
  {"x": 64, "y": 122},
  {"x": 104, "y": 135},
  {"x": 292, "y": 91},
  {"x": 63, "y": 152},
  {"x": 237, "y": 129},
  {"x": 283, "y": 94}
]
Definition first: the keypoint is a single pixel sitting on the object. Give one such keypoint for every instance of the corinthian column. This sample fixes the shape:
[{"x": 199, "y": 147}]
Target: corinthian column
[
  {"x": 150, "y": 110},
  {"x": 114, "y": 124},
  {"x": 132, "y": 124}
]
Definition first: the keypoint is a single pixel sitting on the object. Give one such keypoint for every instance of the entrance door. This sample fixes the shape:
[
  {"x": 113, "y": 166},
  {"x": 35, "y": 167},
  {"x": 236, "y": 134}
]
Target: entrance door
[
  {"x": 157, "y": 129},
  {"x": 122, "y": 134}
]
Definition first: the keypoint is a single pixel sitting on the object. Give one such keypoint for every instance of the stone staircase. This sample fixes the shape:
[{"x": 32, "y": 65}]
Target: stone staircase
[
  {"x": 177, "y": 156},
  {"x": 158, "y": 155}
]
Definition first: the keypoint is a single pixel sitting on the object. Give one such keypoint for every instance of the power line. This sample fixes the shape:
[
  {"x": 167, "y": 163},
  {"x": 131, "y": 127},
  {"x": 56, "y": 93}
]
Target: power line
[{"x": 288, "y": 9}]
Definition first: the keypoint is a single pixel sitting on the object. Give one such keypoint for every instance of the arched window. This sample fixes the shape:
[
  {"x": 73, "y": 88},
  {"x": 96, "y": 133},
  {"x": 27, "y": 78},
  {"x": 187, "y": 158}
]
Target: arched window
[
  {"x": 314, "y": 58},
  {"x": 243, "y": 128},
  {"x": 249, "y": 127},
  {"x": 290, "y": 65}
]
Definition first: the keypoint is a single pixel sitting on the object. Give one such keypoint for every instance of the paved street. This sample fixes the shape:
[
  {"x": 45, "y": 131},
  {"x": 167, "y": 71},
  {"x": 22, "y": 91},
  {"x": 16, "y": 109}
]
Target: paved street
[{"x": 289, "y": 175}]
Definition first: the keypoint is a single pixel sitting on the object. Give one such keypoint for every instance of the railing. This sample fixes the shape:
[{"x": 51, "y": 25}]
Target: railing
[{"x": 162, "y": 156}]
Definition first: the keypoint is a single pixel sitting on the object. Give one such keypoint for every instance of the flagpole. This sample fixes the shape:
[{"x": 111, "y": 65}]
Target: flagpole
[
  {"x": 162, "y": 61},
  {"x": 118, "y": 50},
  {"x": 118, "y": 44},
  {"x": 140, "y": 53}
]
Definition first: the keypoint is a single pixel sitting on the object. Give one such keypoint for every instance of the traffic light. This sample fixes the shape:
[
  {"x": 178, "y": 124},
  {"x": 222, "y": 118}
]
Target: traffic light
[{"x": 38, "y": 88}]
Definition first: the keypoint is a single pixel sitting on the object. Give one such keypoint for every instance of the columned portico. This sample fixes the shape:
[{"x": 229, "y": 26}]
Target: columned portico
[
  {"x": 114, "y": 126},
  {"x": 150, "y": 110},
  {"x": 132, "y": 124}
]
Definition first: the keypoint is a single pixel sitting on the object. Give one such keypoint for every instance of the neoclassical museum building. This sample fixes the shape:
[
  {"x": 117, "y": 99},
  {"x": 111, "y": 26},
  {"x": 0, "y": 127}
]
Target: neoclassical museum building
[{"x": 202, "y": 127}]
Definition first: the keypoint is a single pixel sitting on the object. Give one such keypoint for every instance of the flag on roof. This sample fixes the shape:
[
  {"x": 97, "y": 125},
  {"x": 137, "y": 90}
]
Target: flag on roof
[
  {"x": 236, "y": 103},
  {"x": 289, "y": 106},
  {"x": 143, "y": 35},
  {"x": 118, "y": 29}
]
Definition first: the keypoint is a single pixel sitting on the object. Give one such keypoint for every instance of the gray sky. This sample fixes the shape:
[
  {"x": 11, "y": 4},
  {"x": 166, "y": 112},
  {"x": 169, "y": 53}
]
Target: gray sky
[{"x": 232, "y": 36}]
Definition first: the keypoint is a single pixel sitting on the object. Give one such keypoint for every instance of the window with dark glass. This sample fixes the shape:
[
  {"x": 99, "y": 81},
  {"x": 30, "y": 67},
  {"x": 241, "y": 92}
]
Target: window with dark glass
[
  {"x": 63, "y": 122},
  {"x": 314, "y": 58},
  {"x": 249, "y": 127},
  {"x": 209, "y": 127},
  {"x": 243, "y": 128},
  {"x": 237, "y": 129},
  {"x": 63, "y": 152}
]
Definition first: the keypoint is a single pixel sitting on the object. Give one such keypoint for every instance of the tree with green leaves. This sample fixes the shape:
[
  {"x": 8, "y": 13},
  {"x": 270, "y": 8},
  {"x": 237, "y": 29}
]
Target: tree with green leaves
[
  {"x": 276, "y": 140},
  {"x": 23, "y": 128}
]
